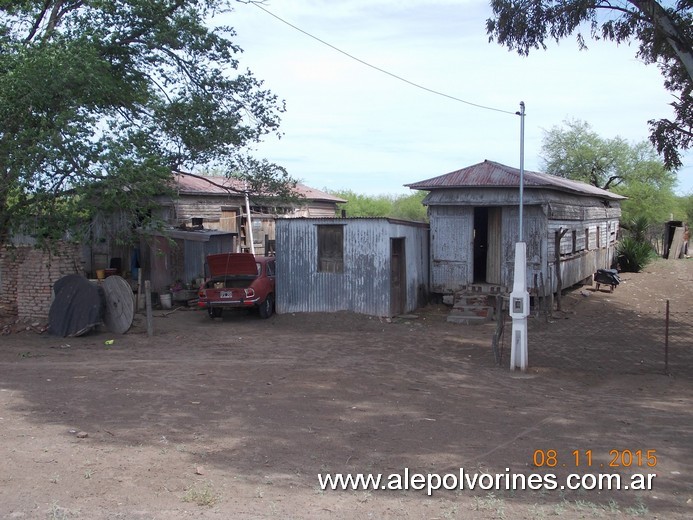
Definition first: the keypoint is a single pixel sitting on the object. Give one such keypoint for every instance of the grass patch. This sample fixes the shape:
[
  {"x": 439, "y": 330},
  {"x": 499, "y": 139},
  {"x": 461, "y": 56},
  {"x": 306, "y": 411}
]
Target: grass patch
[{"x": 202, "y": 495}]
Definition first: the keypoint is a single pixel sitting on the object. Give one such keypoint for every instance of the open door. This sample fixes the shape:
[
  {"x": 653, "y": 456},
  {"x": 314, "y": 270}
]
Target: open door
[
  {"x": 398, "y": 277},
  {"x": 487, "y": 245}
]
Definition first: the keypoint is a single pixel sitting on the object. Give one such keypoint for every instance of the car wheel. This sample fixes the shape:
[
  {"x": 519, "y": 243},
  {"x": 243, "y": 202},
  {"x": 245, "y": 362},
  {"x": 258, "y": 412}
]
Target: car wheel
[
  {"x": 214, "y": 312},
  {"x": 267, "y": 307}
]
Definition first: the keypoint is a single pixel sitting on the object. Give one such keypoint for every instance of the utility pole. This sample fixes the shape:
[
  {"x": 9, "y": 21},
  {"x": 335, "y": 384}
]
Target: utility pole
[{"x": 519, "y": 297}]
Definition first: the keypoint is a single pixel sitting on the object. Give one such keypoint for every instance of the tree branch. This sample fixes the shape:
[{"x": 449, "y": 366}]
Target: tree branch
[
  {"x": 38, "y": 21},
  {"x": 612, "y": 179},
  {"x": 223, "y": 187},
  {"x": 666, "y": 26}
]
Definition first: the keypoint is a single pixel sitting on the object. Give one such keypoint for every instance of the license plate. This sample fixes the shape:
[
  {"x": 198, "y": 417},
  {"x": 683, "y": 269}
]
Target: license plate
[{"x": 226, "y": 294}]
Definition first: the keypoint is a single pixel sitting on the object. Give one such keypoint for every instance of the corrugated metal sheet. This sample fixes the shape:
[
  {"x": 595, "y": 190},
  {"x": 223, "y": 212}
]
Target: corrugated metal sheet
[
  {"x": 364, "y": 284},
  {"x": 452, "y": 247},
  {"x": 493, "y": 174},
  {"x": 200, "y": 184}
]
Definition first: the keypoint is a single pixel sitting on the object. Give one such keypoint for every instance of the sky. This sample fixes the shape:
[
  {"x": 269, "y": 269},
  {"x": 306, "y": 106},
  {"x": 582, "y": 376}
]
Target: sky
[{"x": 351, "y": 127}]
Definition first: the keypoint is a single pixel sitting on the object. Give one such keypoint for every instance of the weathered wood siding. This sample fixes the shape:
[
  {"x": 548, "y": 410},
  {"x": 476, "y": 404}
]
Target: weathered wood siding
[
  {"x": 588, "y": 245},
  {"x": 364, "y": 284},
  {"x": 209, "y": 208},
  {"x": 452, "y": 247},
  {"x": 534, "y": 235}
]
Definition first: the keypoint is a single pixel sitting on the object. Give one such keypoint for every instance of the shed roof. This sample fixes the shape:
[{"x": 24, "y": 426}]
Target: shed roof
[
  {"x": 489, "y": 174},
  {"x": 189, "y": 184}
]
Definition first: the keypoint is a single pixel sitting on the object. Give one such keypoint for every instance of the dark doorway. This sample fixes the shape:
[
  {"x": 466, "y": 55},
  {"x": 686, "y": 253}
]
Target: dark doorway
[
  {"x": 480, "y": 244},
  {"x": 487, "y": 245},
  {"x": 398, "y": 277}
]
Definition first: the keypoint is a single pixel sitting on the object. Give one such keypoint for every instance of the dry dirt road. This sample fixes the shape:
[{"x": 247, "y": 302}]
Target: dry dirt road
[{"x": 235, "y": 418}]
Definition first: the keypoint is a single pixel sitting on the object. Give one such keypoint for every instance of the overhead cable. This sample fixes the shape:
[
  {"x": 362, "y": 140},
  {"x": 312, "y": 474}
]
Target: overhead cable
[{"x": 400, "y": 78}]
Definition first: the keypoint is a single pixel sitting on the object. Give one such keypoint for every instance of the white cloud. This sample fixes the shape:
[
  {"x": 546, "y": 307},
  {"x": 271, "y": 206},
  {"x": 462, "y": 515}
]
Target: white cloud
[{"x": 350, "y": 126}]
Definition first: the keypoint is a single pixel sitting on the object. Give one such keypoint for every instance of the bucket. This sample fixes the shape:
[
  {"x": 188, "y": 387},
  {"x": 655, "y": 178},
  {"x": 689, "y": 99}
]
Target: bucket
[{"x": 165, "y": 299}]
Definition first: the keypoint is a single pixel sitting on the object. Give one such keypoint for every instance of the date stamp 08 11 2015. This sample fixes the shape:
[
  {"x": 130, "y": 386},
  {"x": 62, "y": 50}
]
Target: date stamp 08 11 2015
[{"x": 584, "y": 459}]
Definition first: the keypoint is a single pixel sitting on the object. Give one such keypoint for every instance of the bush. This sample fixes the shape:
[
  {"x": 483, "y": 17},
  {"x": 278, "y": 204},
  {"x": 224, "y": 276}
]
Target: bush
[{"x": 633, "y": 254}]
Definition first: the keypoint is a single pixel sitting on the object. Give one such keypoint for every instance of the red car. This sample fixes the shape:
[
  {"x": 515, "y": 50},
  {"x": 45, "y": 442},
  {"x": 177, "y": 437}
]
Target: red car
[{"x": 238, "y": 280}]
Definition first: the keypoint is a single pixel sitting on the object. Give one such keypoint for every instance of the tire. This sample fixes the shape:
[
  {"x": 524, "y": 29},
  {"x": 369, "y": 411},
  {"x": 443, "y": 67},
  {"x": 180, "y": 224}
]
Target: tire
[
  {"x": 267, "y": 307},
  {"x": 214, "y": 312}
]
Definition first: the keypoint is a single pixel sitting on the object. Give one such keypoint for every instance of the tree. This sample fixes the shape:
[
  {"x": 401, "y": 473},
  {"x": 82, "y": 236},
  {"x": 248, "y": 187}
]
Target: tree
[
  {"x": 101, "y": 99},
  {"x": 407, "y": 207},
  {"x": 634, "y": 170},
  {"x": 665, "y": 36}
]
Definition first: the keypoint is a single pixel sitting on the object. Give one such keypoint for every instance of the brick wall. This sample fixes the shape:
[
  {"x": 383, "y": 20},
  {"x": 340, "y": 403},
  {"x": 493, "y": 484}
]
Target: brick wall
[{"x": 27, "y": 276}]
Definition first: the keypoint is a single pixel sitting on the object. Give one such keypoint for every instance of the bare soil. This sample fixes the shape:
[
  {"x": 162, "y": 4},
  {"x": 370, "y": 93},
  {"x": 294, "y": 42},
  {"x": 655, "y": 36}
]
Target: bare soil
[{"x": 235, "y": 418}]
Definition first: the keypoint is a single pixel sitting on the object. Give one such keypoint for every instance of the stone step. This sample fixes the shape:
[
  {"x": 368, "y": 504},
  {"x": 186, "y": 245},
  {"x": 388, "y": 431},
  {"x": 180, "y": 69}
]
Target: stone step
[
  {"x": 471, "y": 301},
  {"x": 466, "y": 319},
  {"x": 474, "y": 313}
]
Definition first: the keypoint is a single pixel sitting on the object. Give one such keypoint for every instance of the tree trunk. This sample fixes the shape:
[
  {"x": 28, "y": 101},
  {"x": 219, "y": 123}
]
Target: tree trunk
[{"x": 663, "y": 24}]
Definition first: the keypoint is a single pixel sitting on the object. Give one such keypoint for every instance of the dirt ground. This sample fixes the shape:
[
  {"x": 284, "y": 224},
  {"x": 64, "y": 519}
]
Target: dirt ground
[{"x": 235, "y": 418}]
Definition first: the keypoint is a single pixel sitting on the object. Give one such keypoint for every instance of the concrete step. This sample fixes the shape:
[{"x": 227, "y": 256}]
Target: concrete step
[{"x": 470, "y": 315}]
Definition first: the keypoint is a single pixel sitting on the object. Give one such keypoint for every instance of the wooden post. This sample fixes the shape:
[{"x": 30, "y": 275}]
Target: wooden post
[
  {"x": 148, "y": 304},
  {"x": 498, "y": 334},
  {"x": 139, "y": 289},
  {"x": 559, "y": 282},
  {"x": 666, "y": 341}
]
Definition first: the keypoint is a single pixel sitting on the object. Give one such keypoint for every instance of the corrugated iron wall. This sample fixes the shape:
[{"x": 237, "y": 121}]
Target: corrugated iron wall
[
  {"x": 364, "y": 285},
  {"x": 452, "y": 247}
]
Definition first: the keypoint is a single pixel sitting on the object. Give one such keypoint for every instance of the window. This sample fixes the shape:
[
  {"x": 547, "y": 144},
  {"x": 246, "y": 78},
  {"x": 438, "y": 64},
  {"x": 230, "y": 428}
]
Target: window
[
  {"x": 587, "y": 239},
  {"x": 599, "y": 234},
  {"x": 330, "y": 248},
  {"x": 574, "y": 241}
]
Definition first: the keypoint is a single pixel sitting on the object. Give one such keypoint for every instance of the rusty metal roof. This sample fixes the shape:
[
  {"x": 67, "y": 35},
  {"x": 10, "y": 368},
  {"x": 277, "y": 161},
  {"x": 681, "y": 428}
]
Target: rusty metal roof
[
  {"x": 490, "y": 174},
  {"x": 189, "y": 184}
]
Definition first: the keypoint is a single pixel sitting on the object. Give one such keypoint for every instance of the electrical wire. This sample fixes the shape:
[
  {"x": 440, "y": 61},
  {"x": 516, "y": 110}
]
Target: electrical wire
[{"x": 400, "y": 78}]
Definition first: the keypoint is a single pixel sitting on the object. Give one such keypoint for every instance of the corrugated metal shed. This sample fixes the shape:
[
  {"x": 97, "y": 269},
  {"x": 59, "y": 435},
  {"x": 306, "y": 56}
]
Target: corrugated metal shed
[
  {"x": 493, "y": 174},
  {"x": 364, "y": 280}
]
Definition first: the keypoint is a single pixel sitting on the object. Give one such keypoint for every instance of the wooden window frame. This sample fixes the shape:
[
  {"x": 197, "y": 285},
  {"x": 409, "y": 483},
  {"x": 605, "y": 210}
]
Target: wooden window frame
[{"x": 330, "y": 248}]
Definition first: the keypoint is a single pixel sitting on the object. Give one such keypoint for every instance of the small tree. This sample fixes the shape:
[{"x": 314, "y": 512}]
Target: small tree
[
  {"x": 577, "y": 152},
  {"x": 663, "y": 31}
]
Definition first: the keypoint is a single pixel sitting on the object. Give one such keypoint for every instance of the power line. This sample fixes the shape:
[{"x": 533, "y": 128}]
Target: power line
[{"x": 400, "y": 78}]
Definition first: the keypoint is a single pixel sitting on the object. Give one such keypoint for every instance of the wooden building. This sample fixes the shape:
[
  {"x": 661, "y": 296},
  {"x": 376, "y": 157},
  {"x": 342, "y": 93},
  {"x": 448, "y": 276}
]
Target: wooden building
[
  {"x": 218, "y": 203},
  {"x": 474, "y": 219},
  {"x": 374, "y": 266}
]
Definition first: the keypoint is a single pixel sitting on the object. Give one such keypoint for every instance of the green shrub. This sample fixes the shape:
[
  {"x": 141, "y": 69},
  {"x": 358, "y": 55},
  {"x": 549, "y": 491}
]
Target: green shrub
[{"x": 633, "y": 255}]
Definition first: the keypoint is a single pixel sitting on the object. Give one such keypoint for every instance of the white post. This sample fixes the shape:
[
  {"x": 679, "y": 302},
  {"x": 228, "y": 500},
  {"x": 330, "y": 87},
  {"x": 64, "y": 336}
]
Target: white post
[
  {"x": 248, "y": 222},
  {"x": 519, "y": 310}
]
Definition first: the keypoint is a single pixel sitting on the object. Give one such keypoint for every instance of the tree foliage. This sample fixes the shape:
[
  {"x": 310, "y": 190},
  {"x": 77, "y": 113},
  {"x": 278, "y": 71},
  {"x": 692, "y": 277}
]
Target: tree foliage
[
  {"x": 577, "y": 152},
  {"x": 664, "y": 33},
  {"x": 101, "y": 99},
  {"x": 407, "y": 207}
]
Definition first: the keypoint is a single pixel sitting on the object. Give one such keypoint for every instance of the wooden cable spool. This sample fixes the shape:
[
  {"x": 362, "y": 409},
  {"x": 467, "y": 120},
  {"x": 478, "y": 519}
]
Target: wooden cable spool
[{"x": 120, "y": 304}]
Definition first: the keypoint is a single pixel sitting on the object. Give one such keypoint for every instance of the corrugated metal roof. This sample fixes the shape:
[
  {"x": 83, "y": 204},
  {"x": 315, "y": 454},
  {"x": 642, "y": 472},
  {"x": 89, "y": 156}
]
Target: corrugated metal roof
[
  {"x": 208, "y": 185},
  {"x": 345, "y": 220},
  {"x": 489, "y": 174}
]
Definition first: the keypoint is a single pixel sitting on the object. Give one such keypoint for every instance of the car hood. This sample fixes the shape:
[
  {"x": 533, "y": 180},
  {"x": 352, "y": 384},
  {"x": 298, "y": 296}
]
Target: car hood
[{"x": 232, "y": 264}]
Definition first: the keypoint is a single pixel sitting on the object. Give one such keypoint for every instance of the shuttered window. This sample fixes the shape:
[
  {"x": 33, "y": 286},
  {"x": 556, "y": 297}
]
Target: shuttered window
[{"x": 330, "y": 248}]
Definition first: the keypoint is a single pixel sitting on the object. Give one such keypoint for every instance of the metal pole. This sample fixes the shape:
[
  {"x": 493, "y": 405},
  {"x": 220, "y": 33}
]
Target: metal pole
[{"x": 522, "y": 163}]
